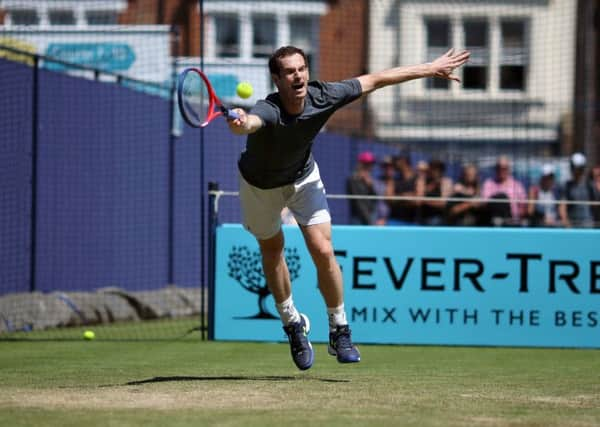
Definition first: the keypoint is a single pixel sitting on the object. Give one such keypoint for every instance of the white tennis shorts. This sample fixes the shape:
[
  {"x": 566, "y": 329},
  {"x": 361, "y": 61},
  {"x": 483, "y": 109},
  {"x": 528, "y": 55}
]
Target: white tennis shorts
[{"x": 261, "y": 209}]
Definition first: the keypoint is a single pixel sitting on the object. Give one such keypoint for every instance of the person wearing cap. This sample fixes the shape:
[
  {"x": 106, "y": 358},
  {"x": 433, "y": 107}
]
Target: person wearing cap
[
  {"x": 577, "y": 189},
  {"x": 542, "y": 208},
  {"x": 361, "y": 183}
]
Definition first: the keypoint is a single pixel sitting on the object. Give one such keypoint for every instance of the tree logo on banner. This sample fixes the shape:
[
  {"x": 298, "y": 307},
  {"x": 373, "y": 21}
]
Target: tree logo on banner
[{"x": 245, "y": 267}]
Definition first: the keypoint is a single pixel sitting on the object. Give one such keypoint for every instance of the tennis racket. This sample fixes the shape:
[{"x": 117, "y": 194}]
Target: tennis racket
[{"x": 197, "y": 100}]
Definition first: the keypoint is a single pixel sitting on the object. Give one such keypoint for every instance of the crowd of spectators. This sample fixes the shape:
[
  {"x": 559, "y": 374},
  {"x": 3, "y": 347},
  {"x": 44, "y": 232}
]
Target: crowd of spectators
[{"x": 424, "y": 194}]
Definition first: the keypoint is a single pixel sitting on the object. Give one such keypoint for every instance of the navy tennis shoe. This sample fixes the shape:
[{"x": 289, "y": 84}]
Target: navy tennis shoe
[
  {"x": 300, "y": 346},
  {"x": 340, "y": 345}
]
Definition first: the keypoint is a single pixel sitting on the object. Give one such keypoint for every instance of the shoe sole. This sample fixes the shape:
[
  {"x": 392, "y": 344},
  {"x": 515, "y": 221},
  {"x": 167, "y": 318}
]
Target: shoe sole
[{"x": 332, "y": 352}]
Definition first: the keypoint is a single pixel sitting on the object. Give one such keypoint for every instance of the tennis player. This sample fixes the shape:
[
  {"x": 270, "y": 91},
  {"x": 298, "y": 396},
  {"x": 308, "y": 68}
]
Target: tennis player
[{"x": 277, "y": 169}]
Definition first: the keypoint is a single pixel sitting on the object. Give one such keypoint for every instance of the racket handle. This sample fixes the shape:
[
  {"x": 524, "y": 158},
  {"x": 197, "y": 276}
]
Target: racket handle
[{"x": 230, "y": 114}]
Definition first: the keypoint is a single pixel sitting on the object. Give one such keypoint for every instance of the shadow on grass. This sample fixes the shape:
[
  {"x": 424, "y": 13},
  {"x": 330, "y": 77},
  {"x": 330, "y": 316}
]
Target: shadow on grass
[{"x": 229, "y": 378}]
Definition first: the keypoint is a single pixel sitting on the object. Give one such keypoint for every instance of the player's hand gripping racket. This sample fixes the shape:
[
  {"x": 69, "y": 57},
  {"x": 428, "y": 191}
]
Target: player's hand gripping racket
[{"x": 197, "y": 100}]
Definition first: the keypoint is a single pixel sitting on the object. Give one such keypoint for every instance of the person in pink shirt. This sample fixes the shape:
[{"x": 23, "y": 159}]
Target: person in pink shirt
[{"x": 504, "y": 186}]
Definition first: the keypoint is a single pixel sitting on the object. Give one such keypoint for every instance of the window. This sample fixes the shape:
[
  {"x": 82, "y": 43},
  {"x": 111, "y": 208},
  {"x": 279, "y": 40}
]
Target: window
[
  {"x": 24, "y": 17},
  {"x": 438, "y": 42},
  {"x": 43, "y": 13},
  {"x": 61, "y": 17},
  {"x": 509, "y": 52},
  {"x": 475, "y": 72},
  {"x": 263, "y": 35},
  {"x": 256, "y": 31},
  {"x": 514, "y": 55},
  {"x": 301, "y": 33},
  {"x": 227, "y": 36},
  {"x": 101, "y": 17}
]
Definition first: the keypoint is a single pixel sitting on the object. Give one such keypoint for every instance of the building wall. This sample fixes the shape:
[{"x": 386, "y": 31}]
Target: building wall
[
  {"x": 140, "y": 12},
  {"x": 586, "y": 107},
  {"x": 343, "y": 55},
  {"x": 545, "y": 102}
]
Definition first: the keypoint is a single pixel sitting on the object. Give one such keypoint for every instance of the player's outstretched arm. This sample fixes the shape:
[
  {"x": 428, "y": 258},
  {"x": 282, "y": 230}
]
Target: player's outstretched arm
[
  {"x": 443, "y": 67},
  {"x": 245, "y": 124}
]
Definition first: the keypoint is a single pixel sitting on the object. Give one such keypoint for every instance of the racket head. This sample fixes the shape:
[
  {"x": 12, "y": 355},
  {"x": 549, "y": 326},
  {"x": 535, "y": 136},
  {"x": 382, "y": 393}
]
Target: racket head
[{"x": 196, "y": 98}]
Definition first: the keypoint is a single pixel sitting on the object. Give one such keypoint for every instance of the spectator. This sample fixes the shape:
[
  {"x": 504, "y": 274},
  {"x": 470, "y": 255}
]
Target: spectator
[
  {"x": 595, "y": 178},
  {"x": 542, "y": 208},
  {"x": 504, "y": 186},
  {"x": 403, "y": 212},
  {"x": 467, "y": 212},
  {"x": 362, "y": 211},
  {"x": 384, "y": 185},
  {"x": 422, "y": 169},
  {"x": 435, "y": 184},
  {"x": 577, "y": 189}
]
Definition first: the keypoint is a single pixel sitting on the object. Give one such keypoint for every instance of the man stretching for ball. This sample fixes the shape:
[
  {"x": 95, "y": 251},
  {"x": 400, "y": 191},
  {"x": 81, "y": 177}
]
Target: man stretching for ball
[{"x": 277, "y": 169}]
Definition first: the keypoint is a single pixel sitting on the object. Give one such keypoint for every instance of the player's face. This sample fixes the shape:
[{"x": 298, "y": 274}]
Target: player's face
[{"x": 293, "y": 77}]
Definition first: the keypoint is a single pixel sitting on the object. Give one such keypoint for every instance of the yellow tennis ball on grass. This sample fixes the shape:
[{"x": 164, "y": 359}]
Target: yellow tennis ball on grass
[
  {"x": 89, "y": 335},
  {"x": 244, "y": 90}
]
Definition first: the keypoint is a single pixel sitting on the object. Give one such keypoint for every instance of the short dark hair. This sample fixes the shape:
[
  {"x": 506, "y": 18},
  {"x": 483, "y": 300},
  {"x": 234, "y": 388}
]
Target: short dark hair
[
  {"x": 437, "y": 164},
  {"x": 282, "y": 52}
]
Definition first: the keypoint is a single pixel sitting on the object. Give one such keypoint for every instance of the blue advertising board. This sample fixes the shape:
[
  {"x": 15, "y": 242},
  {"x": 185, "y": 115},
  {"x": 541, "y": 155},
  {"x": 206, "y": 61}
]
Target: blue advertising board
[
  {"x": 434, "y": 285},
  {"x": 105, "y": 56}
]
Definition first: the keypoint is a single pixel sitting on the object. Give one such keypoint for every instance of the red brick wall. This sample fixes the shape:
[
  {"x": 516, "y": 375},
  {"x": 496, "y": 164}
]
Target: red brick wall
[
  {"x": 140, "y": 12},
  {"x": 343, "y": 55},
  {"x": 182, "y": 13}
]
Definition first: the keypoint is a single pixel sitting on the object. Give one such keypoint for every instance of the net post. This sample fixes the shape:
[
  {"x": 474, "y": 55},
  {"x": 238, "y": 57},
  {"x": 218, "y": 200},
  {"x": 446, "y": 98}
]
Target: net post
[
  {"x": 34, "y": 176},
  {"x": 213, "y": 222}
]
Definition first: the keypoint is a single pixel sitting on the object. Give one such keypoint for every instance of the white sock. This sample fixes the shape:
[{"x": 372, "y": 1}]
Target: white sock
[
  {"x": 288, "y": 312},
  {"x": 336, "y": 316}
]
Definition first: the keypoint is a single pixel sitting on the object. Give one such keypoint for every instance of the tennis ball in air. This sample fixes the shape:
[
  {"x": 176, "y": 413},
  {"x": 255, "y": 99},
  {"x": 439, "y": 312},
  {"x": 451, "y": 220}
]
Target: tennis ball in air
[
  {"x": 244, "y": 90},
  {"x": 89, "y": 335}
]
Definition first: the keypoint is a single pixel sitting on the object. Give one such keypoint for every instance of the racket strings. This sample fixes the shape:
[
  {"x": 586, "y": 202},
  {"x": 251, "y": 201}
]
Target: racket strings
[{"x": 195, "y": 98}]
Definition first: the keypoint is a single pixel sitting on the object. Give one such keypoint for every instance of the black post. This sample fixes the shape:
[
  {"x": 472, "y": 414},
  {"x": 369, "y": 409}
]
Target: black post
[
  {"x": 213, "y": 222},
  {"x": 203, "y": 242},
  {"x": 34, "y": 178},
  {"x": 586, "y": 84},
  {"x": 172, "y": 163}
]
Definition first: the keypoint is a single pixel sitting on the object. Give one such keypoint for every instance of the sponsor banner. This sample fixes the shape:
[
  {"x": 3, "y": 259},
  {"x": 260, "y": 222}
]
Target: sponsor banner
[
  {"x": 435, "y": 285},
  {"x": 105, "y": 56},
  {"x": 138, "y": 51}
]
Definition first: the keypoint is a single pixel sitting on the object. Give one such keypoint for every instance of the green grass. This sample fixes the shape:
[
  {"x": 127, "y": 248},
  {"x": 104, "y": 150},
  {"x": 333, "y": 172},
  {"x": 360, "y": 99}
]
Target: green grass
[
  {"x": 188, "y": 382},
  {"x": 163, "y": 329}
]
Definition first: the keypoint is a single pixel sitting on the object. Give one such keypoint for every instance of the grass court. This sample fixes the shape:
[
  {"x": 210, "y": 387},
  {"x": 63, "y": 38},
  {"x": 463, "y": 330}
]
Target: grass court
[{"x": 188, "y": 382}]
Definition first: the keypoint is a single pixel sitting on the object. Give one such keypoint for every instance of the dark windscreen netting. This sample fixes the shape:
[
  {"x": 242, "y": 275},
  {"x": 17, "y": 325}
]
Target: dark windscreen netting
[{"x": 103, "y": 206}]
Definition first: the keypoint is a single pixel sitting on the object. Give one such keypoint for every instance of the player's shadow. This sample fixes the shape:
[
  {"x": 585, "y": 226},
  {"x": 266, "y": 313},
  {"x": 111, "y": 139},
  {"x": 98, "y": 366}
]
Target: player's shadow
[{"x": 235, "y": 378}]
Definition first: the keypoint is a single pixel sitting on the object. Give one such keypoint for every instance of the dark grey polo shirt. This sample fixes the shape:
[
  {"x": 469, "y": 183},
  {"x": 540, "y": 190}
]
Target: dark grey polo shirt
[{"x": 279, "y": 153}]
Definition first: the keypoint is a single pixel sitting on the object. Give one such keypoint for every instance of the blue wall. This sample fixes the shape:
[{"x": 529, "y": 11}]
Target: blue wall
[
  {"x": 15, "y": 175},
  {"x": 104, "y": 187}
]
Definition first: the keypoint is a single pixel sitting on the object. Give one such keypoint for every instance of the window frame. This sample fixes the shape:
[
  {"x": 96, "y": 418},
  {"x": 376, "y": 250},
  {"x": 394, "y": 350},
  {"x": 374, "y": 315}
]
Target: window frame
[
  {"x": 526, "y": 53},
  {"x": 266, "y": 54},
  {"x": 494, "y": 63},
  {"x": 43, "y": 8},
  {"x": 483, "y": 50},
  {"x": 433, "y": 51}
]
